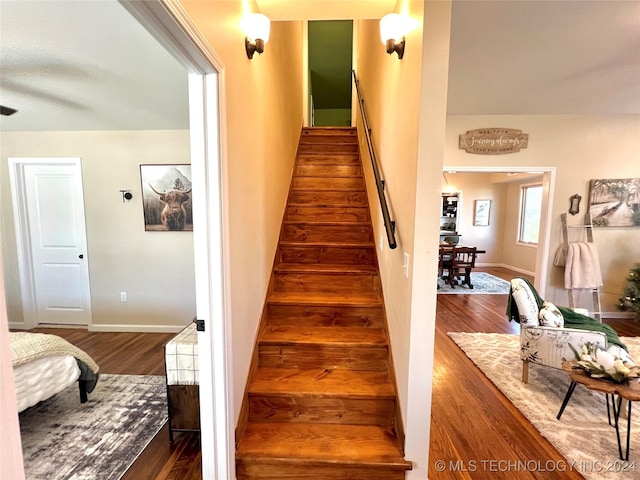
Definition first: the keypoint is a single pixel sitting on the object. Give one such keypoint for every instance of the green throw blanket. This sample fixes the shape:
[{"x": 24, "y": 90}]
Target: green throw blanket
[{"x": 571, "y": 319}]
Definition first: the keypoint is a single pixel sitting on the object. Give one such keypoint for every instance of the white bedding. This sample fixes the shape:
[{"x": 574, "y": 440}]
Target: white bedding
[{"x": 43, "y": 378}]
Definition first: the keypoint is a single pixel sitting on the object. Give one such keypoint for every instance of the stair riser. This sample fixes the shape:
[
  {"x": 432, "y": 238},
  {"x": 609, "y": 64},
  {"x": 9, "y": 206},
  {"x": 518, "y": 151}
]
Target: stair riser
[
  {"x": 281, "y": 470},
  {"x": 327, "y": 148},
  {"x": 338, "y": 283},
  {"x": 320, "y": 183},
  {"x": 328, "y": 171},
  {"x": 323, "y": 356},
  {"x": 325, "y": 159},
  {"x": 327, "y": 214},
  {"x": 328, "y": 255},
  {"x": 315, "y": 139},
  {"x": 326, "y": 233},
  {"x": 289, "y": 408},
  {"x": 325, "y": 316},
  {"x": 329, "y": 199}
]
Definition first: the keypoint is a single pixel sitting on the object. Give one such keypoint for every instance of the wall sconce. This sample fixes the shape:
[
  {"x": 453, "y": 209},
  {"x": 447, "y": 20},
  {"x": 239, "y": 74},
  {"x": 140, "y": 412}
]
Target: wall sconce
[
  {"x": 392, "y": 30},
  {"x": 256, "y": 27},
  {"x": 126, "y": 195}
]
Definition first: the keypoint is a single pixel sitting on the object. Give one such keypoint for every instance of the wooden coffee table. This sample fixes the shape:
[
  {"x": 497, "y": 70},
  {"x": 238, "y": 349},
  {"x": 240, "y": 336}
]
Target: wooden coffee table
[{"x": 614, "y": 391}]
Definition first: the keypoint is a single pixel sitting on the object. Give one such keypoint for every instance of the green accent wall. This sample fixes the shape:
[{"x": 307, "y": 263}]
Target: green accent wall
[{"x": 330, "y": 54}]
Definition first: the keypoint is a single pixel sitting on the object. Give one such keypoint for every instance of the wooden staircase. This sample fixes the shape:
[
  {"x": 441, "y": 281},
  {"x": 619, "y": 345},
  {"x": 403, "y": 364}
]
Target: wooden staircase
[{"x": 321, "y": 398}]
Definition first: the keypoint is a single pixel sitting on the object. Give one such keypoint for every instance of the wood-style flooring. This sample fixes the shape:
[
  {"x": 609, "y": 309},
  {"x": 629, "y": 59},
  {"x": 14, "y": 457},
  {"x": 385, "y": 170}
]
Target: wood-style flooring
[{"x": 471, "y": 420}]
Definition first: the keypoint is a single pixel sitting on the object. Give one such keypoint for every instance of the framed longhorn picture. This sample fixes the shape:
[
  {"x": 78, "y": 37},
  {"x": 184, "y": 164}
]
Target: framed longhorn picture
[{"x": 166, "y": 198}]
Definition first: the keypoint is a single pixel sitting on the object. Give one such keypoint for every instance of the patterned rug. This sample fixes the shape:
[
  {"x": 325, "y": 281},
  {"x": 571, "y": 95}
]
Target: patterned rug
[
  {"x": 482, "y": 282},
  {"x": 583, "y": 434},
  {"x": 99, "y": 440}
]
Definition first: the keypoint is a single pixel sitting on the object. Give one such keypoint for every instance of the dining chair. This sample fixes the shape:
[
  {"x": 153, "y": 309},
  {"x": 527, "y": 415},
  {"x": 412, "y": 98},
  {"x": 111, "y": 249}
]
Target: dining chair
[
  {"x": 463, "y": 259},
  {"x": 444, "y": 262}
]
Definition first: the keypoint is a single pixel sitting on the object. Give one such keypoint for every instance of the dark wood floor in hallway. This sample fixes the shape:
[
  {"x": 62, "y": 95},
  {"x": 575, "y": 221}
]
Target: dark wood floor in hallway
[{"x": 470, "y": 418}]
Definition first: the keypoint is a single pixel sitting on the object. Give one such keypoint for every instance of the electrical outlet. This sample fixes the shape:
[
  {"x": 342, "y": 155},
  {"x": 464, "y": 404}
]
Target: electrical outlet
[
  {"x": 123, "y": 296},
  {"x": 405, "y": 265}
]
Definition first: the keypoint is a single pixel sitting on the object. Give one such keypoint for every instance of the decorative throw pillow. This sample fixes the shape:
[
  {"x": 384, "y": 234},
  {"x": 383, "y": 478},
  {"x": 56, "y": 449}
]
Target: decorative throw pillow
[
  {"x": 526, "y": 302},
  {"x": 550, "y": 316}
]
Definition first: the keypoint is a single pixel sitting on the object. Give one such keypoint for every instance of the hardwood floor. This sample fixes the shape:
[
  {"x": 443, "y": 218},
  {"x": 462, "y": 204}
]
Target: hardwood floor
[
  {"x": 141, "y": 354},
  {"x": 471, "y": 421}
]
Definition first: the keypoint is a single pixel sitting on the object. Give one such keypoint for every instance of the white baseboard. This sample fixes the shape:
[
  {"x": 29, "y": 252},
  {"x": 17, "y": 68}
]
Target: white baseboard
[
  {"x": 136, "y": 328},
  {"x": 618, "y": 315},
  {"x": 108, "y": 327},
  {"x": 510, "y": 267}
]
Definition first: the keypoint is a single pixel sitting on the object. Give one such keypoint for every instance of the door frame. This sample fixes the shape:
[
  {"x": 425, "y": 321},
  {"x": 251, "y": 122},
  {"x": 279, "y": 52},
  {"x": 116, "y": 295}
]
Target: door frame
[
  {"x": 548, "y": 186},
  {"x": 170, "y": 24},
  {"x": 23, "y": 238}
]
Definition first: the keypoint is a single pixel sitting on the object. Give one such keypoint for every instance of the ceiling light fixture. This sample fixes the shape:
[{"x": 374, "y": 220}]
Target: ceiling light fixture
[
  {"x": 393, "y": 28},
  {"x": 256, "y": 27}
]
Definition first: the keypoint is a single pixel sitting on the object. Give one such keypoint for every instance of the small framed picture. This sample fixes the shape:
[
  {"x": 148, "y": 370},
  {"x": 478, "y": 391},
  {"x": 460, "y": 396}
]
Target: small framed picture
[
  {"x": 166, "y": 197},
  {"x": 481, "y": 213}
]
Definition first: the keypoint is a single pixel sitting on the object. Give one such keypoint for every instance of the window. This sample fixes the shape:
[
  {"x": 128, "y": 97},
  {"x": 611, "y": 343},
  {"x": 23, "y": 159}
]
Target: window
[{"x": 531, "y": 207}]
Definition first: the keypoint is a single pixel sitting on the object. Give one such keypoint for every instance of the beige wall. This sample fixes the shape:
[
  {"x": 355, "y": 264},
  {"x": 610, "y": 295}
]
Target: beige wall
[
  {"x": 406, "y": 105},
  {"x": 479, "y": 186},
  {"x": 263, "y": 121},
  {"x": 581, "y": 148},
  {"x": 154, "y": 268},
  {"x": 390, "y": 88}
]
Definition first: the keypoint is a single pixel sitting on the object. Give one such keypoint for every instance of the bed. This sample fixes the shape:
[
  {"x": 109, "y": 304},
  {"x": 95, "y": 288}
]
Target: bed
[{"x": 45, "y": 365}]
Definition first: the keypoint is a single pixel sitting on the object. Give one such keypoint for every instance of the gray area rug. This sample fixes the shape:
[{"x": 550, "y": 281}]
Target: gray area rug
[
  {"x": 483, "y": 283},
  {"x": 583, "y": 434},
  {"x": 98, "y": 440}
]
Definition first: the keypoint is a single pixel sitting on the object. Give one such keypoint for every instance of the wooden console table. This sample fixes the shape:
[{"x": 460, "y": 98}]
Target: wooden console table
[{"x": 615, "y": 392}]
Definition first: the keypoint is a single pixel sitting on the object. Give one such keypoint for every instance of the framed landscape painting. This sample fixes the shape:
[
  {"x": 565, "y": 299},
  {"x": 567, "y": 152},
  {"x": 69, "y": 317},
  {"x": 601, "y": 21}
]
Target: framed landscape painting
[
  {"x": 615, "y": 202},
  {"x": 166, "y": 197}
]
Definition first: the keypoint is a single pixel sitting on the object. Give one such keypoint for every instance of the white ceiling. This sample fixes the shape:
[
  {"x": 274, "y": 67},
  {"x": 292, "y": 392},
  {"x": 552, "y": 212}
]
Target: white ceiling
[{"x": 69, "y": 65}]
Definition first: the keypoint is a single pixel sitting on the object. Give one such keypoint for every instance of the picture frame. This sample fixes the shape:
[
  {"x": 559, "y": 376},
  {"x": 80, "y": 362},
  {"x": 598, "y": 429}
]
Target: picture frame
[
  {"x": 166, "y": 197},
  {"x": 614, "y": 202},
  {"x": 481, "y": 213},
  {"x": 574, "y": 204}
]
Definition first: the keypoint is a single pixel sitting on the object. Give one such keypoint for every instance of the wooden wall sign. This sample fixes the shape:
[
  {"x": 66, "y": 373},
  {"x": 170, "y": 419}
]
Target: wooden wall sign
[{"x": 493, "y": 141}]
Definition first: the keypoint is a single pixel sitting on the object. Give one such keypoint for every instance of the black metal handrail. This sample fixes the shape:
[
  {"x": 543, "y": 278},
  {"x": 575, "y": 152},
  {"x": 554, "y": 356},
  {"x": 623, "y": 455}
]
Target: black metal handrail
[{"x": 389, "y": 225}]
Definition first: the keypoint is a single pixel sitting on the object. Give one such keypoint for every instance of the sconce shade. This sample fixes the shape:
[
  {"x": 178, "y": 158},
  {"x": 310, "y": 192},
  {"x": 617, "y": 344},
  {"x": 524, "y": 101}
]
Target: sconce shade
[
  {"x": 391, "y": 28},
  {"x": 256, "y": 27},
  {"x": 392, "y": 31}
]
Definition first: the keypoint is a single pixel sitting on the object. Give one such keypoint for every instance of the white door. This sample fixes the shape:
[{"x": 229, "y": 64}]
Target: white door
[{"x": 54, "y": 243}]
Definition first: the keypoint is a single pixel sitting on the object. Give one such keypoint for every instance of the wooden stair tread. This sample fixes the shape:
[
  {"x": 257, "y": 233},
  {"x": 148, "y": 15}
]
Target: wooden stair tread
[
  {"x": 347, "y": 223},
  {"x": 331, "y": 188},
  {"x": 366, "y": 445},
  {"x": 321, "y": 382},
  {"x": 328, "y": 158},
  {"x": 289, "y": 243},
  {"x": 352, "y": 336},
  {"x": 326, "y": 268},
  {"x": 324, "y": 299}
]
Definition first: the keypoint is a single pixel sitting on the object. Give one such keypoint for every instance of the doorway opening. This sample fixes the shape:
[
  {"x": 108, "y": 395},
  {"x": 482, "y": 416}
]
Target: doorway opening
[{"x": 330, "y": 56}]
